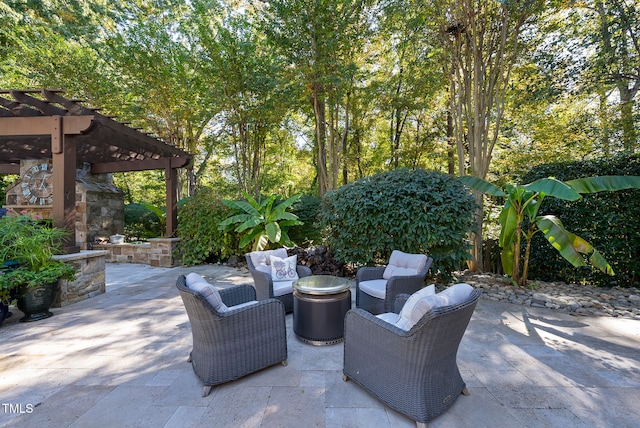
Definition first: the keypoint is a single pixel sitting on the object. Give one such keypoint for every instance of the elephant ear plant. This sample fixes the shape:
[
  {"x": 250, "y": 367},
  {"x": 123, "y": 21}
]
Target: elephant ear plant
[
  {"x": 524, "y": 201},
  {"x": 261, "y": 222},
  {"x": 30, "y": 244}
]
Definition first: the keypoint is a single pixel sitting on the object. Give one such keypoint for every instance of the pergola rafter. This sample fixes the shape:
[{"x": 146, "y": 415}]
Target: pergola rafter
[{"x": 43, "y": 124}]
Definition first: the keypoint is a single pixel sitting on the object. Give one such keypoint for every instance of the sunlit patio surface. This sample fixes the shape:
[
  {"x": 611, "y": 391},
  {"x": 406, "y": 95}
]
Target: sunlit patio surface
[{"x": 120, "y": 359}]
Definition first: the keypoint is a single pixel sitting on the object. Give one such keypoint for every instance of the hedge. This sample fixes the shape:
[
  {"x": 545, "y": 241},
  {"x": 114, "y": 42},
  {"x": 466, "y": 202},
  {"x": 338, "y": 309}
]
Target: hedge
[
  {"x": 608, "y": 220},
  {"x": 409, "y": 210}
]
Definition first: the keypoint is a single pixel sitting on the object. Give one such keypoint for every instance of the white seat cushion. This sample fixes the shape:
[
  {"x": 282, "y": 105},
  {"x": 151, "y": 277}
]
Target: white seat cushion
[
  {"x": 389, "y": 317},
  {"x": 283, "y": 269},
  {"x": 374, "y": 287},
  {"x": 404, "y": 264},
  {"x": 280, "y": 288},
  {"x": 242, "y": 305},
  {"x": 208, "y": 291}
]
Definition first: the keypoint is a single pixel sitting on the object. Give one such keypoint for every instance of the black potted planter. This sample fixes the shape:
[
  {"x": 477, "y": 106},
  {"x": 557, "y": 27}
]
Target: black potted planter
[
  {"x": 4, "y": 312},
  {"x": 36, "y": 301},
  {"x": 7, "y": 266}
]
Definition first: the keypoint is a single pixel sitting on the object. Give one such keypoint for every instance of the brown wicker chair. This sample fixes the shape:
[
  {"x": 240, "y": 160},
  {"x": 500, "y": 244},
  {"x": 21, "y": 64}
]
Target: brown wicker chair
[
  {"x": 414, "y": 372},
  {"x": 233, "y": 342},
  {"x": 264, "y": 283},
  {"x": 391, "y": 287}
]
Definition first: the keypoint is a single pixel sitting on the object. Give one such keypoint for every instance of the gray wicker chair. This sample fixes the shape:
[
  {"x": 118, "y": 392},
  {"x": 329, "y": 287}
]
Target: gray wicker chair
[
  {"x": 414, "y": 372},
  {"x": 231, "y": 344},
  {"x": 395, "y": 285},
  {"x": 264, "y": 284}
]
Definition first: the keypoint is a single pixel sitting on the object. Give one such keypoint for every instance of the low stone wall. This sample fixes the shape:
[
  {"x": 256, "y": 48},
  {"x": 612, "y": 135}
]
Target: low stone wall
[
  {"x": 157, "y": 252},
  {"x": 90, "y": 280}
]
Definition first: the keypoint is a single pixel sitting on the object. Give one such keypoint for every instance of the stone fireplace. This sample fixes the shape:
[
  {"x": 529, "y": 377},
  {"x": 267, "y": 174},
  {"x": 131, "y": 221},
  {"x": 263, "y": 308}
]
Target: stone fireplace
[{"x": 99, "y": 203}]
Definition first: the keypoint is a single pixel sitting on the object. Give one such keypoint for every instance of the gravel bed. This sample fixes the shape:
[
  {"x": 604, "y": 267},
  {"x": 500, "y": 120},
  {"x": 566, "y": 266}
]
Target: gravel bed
[{"x": 572, "y": 298}]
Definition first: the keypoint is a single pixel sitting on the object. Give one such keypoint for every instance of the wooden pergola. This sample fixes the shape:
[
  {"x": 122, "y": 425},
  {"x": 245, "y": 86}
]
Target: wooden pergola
[{"x": 42, "y": 124}]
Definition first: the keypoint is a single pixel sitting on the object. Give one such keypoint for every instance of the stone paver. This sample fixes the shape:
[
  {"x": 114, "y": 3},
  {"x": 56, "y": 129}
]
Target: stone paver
[{"x": 119, "y": 359}]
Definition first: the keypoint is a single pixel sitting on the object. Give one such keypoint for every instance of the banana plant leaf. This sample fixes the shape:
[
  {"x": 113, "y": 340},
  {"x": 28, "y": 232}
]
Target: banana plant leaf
[
  {"x": 481, "y": 185},
  {"x": 604, "y": 183},
  {"x": 553, "y": 187},
  {"x": 571, "y": 246}
]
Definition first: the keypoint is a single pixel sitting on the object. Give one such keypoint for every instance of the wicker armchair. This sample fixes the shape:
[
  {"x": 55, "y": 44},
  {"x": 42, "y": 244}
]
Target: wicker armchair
[
  {"x": 233, "y": 341},
  {"x": 264, "y": 282},
  {"x": 377, "y": 287},
  {"x": 414, "y": 372}
]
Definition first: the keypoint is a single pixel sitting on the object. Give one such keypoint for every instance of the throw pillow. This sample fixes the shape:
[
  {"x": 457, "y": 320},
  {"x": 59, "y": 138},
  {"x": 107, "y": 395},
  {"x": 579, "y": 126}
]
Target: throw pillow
[
  {"x": 284, "y": 269},
  {"x": 417, "y": 305},
  {"x": 208, "y": 291},
  {"x": 261, "y": 258}
]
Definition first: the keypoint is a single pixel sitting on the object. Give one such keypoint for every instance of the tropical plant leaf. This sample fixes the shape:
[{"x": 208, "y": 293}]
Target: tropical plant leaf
[
  {"x": 508, "y": 224},
  {"x": 250, "y": 237},
  {"x": 571, "y": 246},
  {"x": 273, "y": 231},
  {"x": 604, "y": 183},
  {"x": 481, "y": 185},
  {"x": 248, "y": 224},
  {"x": 553, "y": 187},
  {"x": 599, "y": 262},
  {"x": 248, "y": 208},
  {"x": 238, "y": 218},
  {"x": 261, "y": 243}
]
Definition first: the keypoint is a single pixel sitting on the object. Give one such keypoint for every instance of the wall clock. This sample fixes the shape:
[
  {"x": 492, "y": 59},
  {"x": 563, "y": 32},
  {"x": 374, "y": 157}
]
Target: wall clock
[{"x": 37, "y": 184}]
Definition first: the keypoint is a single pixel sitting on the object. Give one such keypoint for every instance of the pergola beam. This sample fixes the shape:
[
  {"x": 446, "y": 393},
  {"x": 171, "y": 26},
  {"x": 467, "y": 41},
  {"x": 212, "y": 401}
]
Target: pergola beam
[
  {"x": 139, "y": 165},
  {"x": 58, "y": 128}
]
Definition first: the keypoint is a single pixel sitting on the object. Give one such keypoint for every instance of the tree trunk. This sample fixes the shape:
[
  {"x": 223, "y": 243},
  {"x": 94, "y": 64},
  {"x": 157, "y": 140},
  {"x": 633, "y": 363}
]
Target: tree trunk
[{"x": 319, "y": 111}]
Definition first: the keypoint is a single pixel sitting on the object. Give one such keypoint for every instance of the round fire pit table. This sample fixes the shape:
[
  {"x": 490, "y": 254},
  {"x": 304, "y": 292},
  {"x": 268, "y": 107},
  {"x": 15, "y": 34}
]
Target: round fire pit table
[{"x": 320, "y": 303}]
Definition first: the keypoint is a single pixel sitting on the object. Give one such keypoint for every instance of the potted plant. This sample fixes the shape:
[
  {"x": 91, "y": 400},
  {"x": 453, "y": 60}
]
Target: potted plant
[
  {"x": 31, "y": 243},
  {"x": 7, "y": 291}
]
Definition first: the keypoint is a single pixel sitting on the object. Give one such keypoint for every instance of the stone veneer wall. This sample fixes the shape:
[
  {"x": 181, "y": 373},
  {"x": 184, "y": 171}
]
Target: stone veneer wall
[
  {"x": 99, "y": 208},
  {"x": 90, "y": 280},
  {"x": 99, "y": 205},
  {"x": 158, "y": 252}
]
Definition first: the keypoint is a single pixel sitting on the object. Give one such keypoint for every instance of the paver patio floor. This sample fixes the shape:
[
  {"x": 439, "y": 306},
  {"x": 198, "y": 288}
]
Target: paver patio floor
[{"x": 120, "y": 359}]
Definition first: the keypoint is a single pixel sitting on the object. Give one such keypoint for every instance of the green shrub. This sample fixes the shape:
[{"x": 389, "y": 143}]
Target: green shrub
[
  {"x": 409, "y": 210},
  {"x": 200, "y": 239},
  {"x": 140, "y": 223},
  {"x": 307, "y": 209},
  {"x": 608, "y": 220}
]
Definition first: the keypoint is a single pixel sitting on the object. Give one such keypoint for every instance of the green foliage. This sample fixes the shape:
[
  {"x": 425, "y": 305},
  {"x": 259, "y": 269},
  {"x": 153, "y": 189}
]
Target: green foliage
[
  {"x": 140, "y": 222},
  {"x": 201, "y": 240},
  {"x": 261, "y": 222},
  {"x": 31, "y": 243},
  {"x": 410, "y": 210},
  {"x": 522, "y": 205},
  {"x": 308, "y": 210},
  {"x": 609, "y": 220}
]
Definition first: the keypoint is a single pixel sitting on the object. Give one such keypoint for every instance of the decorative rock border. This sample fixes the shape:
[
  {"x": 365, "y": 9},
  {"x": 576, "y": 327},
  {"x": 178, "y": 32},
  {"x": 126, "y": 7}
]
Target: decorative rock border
[{"x": 572, "y": 298}]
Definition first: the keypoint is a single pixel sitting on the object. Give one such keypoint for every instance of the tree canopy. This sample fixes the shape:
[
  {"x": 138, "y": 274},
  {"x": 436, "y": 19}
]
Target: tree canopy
[{"x": 303, "y": 96}]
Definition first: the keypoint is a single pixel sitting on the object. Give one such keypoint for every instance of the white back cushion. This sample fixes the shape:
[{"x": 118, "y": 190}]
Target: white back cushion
[
  {"x": 261, "y": 258},
  {"x": 456, "y": 294},
  {"x": 404, "y": 264},
  {"x": 283, "y": 269},
  {"x": 208, "y": 291}
]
